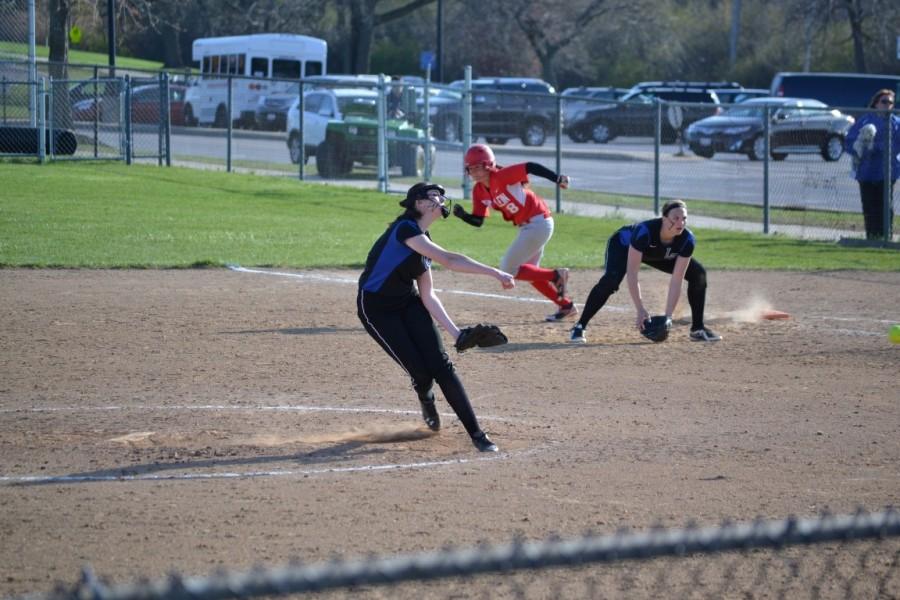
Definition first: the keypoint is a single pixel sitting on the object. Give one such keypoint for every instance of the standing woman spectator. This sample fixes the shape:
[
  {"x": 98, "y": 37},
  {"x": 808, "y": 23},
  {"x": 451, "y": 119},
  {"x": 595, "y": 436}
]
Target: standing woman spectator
[
  {"x": 868, "y": 155},
  {"x": 400, "y": 316},
  {"x": 506, "y": 189},
  {"x": 666, "y": 244}
]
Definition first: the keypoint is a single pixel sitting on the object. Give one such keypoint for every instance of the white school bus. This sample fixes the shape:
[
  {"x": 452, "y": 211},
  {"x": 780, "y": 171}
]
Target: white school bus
[{"x": 254, "y": 63}]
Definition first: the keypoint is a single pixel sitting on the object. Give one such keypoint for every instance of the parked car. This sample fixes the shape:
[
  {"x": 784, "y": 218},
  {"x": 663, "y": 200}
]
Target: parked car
[
  {"x": 509, "y": 107},
  {"x": 635, "y": 114},
  {"x": 576, "y": 99},
  {"x": 738, "y": 95},
  {"x": 272, "y": 109},
  {"x": 341, "y": 129},
  {"x": 798, "y": 126},
  {"x": 677, "y": 83},
  {"x": 145, "y": 106},
  {"x": 843, "y": 90}
]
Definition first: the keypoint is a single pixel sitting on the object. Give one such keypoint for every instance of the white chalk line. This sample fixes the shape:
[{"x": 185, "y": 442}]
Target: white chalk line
[
  {"x": 235, "y": 407},
  {"x": 47, "y": 479},
  {"x": 329, "y": 279}
]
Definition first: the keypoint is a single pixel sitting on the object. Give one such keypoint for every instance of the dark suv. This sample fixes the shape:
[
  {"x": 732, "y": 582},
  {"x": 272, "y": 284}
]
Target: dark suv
[
  {"x": 635, "y": 114},
  {"x": 509, "y": 107}
]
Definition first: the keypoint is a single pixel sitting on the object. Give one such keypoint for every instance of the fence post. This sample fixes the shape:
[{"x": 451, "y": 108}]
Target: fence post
[
  {"x": 887, "y": 187},
  {"x": 301, "y": 109},
  {"x": 126, "y": 118},
  {"x": 657, "y": 140},
  {"x": 382, "y": 141},
  {"x": 767, "y": 119},
  {"x": 41, "y": 119},
  {"x": 558, "y": 129},
  {"x": 426, "y": 125},
  {"x": 50, "y": 119},
  {"x": 228, "y": 125},
  {"x": 97, "y": 105},
  {"x": 467, "y": 128},
  {"x": 168, "y": 121},
  {"x": 4, "y": 99}
]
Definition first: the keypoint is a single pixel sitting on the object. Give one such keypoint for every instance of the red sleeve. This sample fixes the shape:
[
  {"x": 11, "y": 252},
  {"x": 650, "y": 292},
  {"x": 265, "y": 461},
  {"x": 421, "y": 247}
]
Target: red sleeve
[
  {"x": 509, "y": 175},
  {"x": 481, "y": 199}
]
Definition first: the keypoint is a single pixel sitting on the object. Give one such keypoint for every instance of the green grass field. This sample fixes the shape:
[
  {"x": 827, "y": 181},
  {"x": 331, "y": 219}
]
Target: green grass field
[{"x": 100, "y": 215}]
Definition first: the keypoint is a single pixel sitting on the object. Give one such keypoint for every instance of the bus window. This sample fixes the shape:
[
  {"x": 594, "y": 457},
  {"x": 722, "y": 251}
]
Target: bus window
[
  {"x": 313, "y": 68},
  {"x": 259, "y": 67},
  {"x": 242, "y": 59},
  {"x": 214, "y": 64},
  {"x": 285, "y": 69}
]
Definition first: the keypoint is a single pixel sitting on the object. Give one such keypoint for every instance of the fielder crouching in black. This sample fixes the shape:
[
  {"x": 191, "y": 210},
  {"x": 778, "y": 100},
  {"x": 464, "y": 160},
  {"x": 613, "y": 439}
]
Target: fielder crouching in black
[{"x": 400, "y": 316}]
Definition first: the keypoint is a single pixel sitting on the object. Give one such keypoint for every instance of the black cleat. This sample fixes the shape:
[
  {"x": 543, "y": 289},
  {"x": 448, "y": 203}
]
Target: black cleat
[
  {"x": 484, "y": 443},
  {"x": 430, "y": 415}
]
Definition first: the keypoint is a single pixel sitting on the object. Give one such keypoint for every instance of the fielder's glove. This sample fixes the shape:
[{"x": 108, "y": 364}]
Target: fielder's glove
[
  {"x": 480, "y": 335},
  {"x": 656, "y": 329}
]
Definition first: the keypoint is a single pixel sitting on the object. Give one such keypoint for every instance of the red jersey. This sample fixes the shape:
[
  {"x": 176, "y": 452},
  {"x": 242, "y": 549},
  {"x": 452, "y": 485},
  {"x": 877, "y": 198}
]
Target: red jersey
[{"x": 510, "y": 194}]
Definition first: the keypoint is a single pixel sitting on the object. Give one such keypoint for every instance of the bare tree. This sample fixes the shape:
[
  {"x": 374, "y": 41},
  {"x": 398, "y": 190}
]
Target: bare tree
[
  {"x": 551, "y": 26},
  {"x": 856, "y": 14}
]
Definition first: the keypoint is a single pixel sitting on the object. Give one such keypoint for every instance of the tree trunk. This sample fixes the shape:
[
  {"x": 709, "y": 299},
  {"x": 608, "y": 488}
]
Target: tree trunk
[
  {"x": 59, "y": 59},
  {"x": 855, "y": 17},
  {"x": 362, "y": 27}
]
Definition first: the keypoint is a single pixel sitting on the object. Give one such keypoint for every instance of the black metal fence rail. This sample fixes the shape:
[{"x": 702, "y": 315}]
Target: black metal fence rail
[{"x": 590, "y": 549}]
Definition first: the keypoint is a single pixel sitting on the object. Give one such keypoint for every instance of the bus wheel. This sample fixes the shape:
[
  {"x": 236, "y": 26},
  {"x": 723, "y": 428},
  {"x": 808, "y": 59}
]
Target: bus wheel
[
  {"x": 189, "y": 119},
  {"x": 221, "y": 120}
]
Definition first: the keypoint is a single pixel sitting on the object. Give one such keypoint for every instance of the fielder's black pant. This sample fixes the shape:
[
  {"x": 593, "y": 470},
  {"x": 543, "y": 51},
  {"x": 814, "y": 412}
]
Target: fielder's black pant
[
  {"x": 616, "y": 267},
  {"x": 409, "y": 336},
  {"x": 872, "y": 195}
]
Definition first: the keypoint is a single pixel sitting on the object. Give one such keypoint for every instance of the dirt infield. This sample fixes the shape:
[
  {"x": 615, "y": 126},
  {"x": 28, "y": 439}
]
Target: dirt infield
[{"x": 153, "y": 421}]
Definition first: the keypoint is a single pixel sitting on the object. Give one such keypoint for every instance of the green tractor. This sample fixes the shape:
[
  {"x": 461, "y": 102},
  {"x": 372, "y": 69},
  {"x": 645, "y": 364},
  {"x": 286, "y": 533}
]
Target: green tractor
[{"x": 354, "y": 140}]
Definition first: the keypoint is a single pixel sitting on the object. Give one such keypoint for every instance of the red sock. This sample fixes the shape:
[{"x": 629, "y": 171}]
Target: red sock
[
  {"x": 548, "y": 290},
  {"x": 534, "y": 273}
]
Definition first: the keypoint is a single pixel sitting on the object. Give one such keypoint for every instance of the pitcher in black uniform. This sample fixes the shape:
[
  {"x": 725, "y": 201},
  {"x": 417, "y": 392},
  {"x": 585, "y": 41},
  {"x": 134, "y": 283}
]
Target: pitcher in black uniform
[
  {"x": 666, "y": 244},
  {"x": 400, "y": 316}
]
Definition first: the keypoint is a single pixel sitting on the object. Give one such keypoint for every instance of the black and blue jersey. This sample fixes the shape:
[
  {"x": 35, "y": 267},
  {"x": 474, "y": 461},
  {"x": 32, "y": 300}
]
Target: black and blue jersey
[
  {"x": 392, "y": 266},
  {"x": 645, "y": 237}
]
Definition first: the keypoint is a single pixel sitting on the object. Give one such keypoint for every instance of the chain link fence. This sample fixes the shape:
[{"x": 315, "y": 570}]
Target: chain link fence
[
  {"x": 831, "y": 556},
  {"x": 775, "y": 171}
]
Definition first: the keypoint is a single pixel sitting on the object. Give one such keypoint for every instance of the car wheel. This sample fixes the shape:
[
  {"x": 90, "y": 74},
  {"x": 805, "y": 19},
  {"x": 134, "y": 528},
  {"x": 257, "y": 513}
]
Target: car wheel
[
  {"x": 325, "y": 163},
  {"x": 578, "y": 136},
  {"x": 757, "y": 148},
  {"x": 294, "y": 147},
  {"x": 833, "y": 148},
  {"x": 221, "y": 120},
  {"x": 534, "y": 134},
  {"x": 189, "y": 119},
  {"x": 413, "y": 162},
  {"x": 601, "y": 133},
  {"x": 703, "y": 152}
]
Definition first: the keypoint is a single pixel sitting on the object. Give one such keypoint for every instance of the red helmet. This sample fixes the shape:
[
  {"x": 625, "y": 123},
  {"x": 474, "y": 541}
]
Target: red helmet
[{"x": 479, "y": 154}]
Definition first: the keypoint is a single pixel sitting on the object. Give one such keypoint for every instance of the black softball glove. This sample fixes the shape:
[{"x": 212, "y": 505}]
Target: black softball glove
[
  {"x": 656, "y": 329},
  {"x": 480, "y": 335}
]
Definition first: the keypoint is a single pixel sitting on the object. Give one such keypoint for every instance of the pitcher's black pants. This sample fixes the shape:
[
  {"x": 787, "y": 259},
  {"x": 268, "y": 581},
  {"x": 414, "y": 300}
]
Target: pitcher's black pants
[{"x": 410, "y": 336}]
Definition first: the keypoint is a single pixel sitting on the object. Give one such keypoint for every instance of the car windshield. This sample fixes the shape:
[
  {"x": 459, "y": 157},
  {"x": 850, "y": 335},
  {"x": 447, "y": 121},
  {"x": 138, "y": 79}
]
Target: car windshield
[{"x": 360, "y": 107}]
